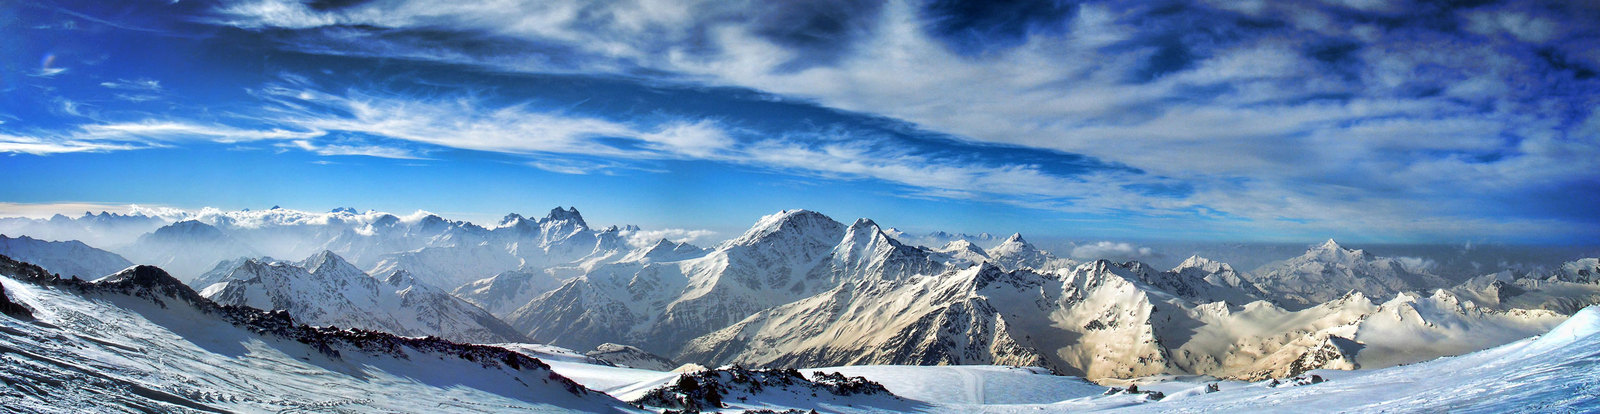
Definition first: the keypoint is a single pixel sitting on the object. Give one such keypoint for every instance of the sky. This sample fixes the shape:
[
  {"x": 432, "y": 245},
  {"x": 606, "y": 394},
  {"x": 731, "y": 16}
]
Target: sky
[{"x": 1363, "y": 120}]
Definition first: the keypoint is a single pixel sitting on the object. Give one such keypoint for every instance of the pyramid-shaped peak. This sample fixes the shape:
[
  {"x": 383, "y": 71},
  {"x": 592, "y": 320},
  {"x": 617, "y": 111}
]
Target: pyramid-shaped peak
[
  {"x": 327, "y": 261},
  {"x": 1204, "y": 264},
  {"x": 864, "y": 223},
  {"x": 510, "y": 219},
  {"x": 1016, "y": 238},
  {"x": 1330, "y": 245},
  {"x": 399, "y": 277}
]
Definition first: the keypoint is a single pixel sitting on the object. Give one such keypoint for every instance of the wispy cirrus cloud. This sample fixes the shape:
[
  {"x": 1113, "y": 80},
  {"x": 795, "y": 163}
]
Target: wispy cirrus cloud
[
  {"x": 1301, "y": 110},
  {"x": 580, "y": 144},
  {"x": 1395, "y": 119}
]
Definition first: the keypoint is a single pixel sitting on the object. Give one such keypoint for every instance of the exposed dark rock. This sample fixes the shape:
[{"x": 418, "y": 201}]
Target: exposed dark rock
[{"x": 694, "y": 392}]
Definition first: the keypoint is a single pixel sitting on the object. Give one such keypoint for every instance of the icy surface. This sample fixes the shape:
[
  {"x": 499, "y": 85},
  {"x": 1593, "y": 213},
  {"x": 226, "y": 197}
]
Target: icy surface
[{"x": 117, "y": 353}]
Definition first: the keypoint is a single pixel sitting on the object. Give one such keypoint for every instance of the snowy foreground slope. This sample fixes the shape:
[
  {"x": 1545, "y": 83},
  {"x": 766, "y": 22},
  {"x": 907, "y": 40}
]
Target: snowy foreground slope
[
  {"x": 139, "y": 341},
  {"x": 1555, "y": 372}
]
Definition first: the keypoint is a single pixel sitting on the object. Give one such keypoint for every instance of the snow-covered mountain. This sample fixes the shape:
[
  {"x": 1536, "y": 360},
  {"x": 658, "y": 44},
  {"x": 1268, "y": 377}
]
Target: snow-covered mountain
[
  {"x": 631, "y": 357},
  {"x": 670, "y": 302},
  {"x": 1107, "y": 320},
  {"x": 1016, "y": 253},
  {"x": 661, "y": 305},
  {"x": 325, "y": 290},
  {"x": 187, "y": 247},
  {"x": 1329, "y": 270},
  {"x": 503, "y": 293},
  {"x": 101, "y": 230},
  {"x": 446, "y": 253},
  {"x": 68, "y": 258},
  {"x": 800, "y": 289},
  {"x": 141, "y": 341},
  {"x": 940, "y": 238},
  {"x": 1565, "y": 290}
]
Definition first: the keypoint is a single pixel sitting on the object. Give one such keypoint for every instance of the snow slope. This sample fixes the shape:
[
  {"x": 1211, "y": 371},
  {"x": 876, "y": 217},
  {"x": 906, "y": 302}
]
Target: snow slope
[
  {"x": 661, "y": 305},
  {"x": 1105, "y": 320},
  {"x": 325, "y": 290},
  {"x": 503, "y": 293},
  {"x": 140, "y": 341},
  {"x": 1555, "y": 372}
]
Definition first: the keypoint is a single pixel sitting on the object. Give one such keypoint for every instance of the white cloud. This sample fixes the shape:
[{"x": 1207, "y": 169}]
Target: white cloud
[
  {"x": 1260, "y": 129},
  {"x": 1110, "y": 250},
  {"x": 141, "y": 84},
  {"x": 73, "y": 209},
  {"x": 566, "y": 143},
  {"x": 38, "y": 146},
  {"x": 364, "y": 150},
  {"x": 646, "y": 238},
  {"x": 1519, "y": 25},
  {"x": 1417, "y": 264}
]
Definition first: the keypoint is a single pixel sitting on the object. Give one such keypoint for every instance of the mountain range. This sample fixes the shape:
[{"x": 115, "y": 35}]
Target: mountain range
[{"x": 801, "y": 289}]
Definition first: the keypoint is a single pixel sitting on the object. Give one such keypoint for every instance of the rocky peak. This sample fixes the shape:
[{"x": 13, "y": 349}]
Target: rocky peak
[
  {"x": 511, "y": 220},
  {"x": 149, "y": 281},
  {"x": 399, "y": 278},
  {"x": 570, "y": 215},
  {"x": 326, "y": 262}
]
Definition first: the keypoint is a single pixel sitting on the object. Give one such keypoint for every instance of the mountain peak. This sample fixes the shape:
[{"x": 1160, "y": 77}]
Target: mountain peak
[
  {"x": 1204, "y": 264},
  {"x": 1013, "y": 244},
  {"x": 567, "y": 214},
  {"x": 864, "y": 223},
  {"x": 804, "y": 226},
  {"x": 400, "y": 277},
  {"x": 1330, "y": 245},
  {"x": 188, "y": 229},
  {"x": 327, "y": 261},
  {"x": 510, "y": 219},
  {"x": 147, "y": 278},
  {"x": 138, "y": 275},
  {"x": 961, "y": 244}
]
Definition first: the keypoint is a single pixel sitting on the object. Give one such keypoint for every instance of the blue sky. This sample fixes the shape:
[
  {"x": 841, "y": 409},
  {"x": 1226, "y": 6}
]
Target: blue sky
[{"x": 1364, "y": 120}]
